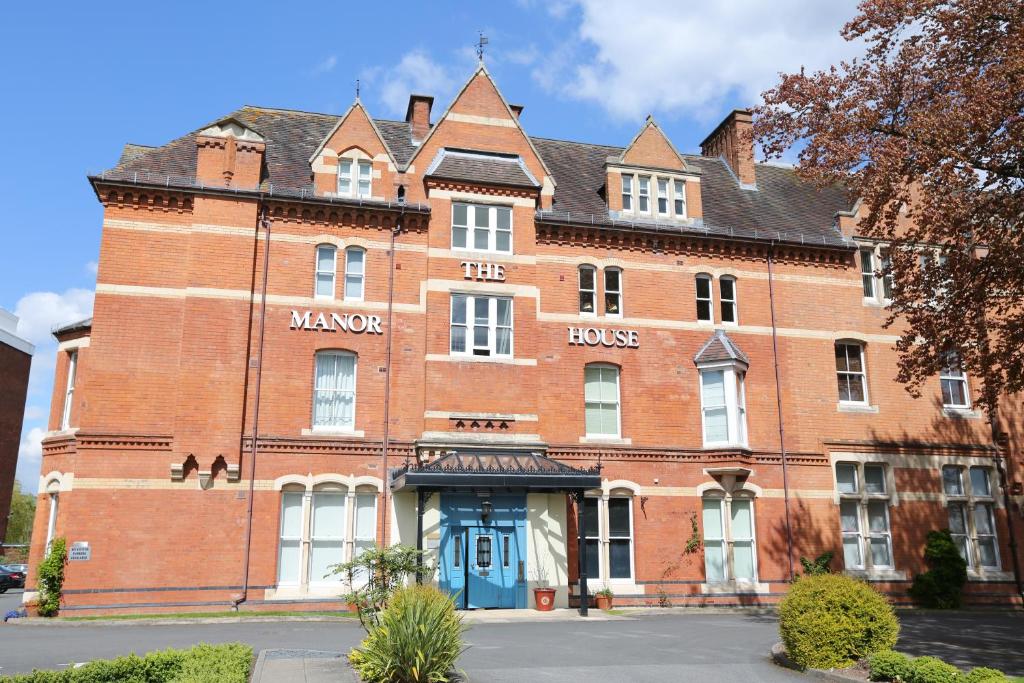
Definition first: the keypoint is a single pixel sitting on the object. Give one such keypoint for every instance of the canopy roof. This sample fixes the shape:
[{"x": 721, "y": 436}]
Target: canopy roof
[{"x": 495, "y": 469}]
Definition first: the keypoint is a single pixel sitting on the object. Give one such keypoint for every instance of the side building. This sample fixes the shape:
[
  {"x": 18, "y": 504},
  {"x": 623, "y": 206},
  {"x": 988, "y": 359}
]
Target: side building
[
  {"x": 537, "y": 360},
  {"x": 15, "y": 362}
]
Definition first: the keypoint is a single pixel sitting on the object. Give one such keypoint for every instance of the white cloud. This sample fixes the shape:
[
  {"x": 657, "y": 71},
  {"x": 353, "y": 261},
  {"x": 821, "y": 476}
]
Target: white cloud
[
  {"x": 687, "y": 58},
  {"x": 325, "y": 66},
  {"x": 418, "y": 73},
  {"x": 40, "y": 312},
  {"x": 30, "y": 457}
]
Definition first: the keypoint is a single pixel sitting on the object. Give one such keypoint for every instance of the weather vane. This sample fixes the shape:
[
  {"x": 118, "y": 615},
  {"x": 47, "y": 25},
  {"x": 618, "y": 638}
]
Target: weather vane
[
  {"x": 480, "y": 46},
  {"x": 357, "y": 88}
]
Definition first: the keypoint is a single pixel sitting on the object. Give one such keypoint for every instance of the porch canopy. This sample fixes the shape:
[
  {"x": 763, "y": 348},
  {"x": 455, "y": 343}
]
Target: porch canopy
[{"x": 494, "y": 469}]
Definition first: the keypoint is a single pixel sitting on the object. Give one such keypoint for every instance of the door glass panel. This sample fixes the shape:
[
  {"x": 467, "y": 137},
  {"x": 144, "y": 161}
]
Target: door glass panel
[
  {"x": 505, "y": 541},
  {"x": 483, "y": 552},
  {"x": 457, "y": 550}
]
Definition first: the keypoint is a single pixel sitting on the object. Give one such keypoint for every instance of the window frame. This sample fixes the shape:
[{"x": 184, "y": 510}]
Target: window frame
[
  {"x": 618, "y": 293},
  {"x": 725, "y": 501},
  {"x": 604, "y": 537},
  {"x": 323, "y": 353},
  {"x": 706, "y": 277},
  {"x": 349, "y": 251},
  {"x": 355, "y": 178},
  {"x": 734, "y": 386},
  {"x": 679, "y": 197},
  {"x": 862, "y": 499},
  {"x": 733, "y": 302},
  {"x": 471, "y": 228},
  {"x": 644, "y": 194},
  {"x": 617, "y": 403},
  {"x": 627, "y": 192},
  {"x": 662, "y": 195},
  {"x": 69, "y": 390},
  {"x": 862, "y": 374},
  {"x": 875, "y": 273},
  {"x": 945, "y": 376},
  {"x": 492, "y": 326},
  {"x": 592, "y": 291},
  {"x": 333, "y": 273},
  {"x": 968, "y": 502}
]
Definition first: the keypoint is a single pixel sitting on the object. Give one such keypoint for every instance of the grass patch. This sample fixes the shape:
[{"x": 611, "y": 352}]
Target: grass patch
[
  {"x": 228, "y": 663},
  {"x": 210, "y": 615}
]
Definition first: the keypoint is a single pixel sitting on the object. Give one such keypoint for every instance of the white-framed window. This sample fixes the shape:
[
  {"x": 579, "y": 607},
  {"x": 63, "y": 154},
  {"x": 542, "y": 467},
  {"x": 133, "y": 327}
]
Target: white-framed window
[
  {"x": 69, "y": 389},
  {"x": 864, "y": 500},
  {"x": 705, "y": 308},
  {"x": 970, "y": 505},
  {"x": 588, "y": 289},
  {"x": 335, "y": 524},
  {"x": 953, "y": 381},
  {"x": 663, "y": 196},
  {"x": 481, "y": 326},
  {"x": 355, "y": 273},
  {"x": 727, "y": 299},
  {"x": 850, "y": 372},
  {"x": 679, "y": 198},
  {"x": 355, "y": 178},
  {"x": 730, "y": 552},
  {"x": 867, "y": 271},
  {"x": 51, "y": 522},
  {"x": 608, "y": 535},
  {"x": 613, "y": 291},
  {"x": 601, "y": 400},
  {"x": 627, "y": 193},
  {"x": 876, "y": 273},
  {"x": 334, "y": 390},
  {"x": 723, "y": 405},
  {"x": 478, "y": 227},
  {"x": 644, "y": 203},
  {"x": 326, "y": 267}
]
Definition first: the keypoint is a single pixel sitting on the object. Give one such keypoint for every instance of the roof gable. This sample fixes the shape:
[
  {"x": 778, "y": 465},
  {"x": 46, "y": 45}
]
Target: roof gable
[
  {"x": 356, "y": 123},
  {"x": 652, "y": 148},
  {"x": 720, "y": 348}
]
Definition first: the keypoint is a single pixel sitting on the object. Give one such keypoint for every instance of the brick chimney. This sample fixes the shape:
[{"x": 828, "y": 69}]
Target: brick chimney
[
  {"x": 517, "y": 109},
  {"x": 733, "y": 141},
  {"x": 418, "y": 114},
  {"x": 229, "y": 154}
]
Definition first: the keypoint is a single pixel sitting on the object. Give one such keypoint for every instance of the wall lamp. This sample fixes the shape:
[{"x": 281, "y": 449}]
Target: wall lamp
[{"x": 485, "y": 510}]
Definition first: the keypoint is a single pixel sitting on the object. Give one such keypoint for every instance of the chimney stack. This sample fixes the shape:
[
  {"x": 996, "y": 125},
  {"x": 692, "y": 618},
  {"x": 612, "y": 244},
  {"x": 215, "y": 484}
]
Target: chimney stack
[
  {"x": 733, "y": 141},
  {"x": 517, "y": 109},
  {"x": 418, "y": 114}
]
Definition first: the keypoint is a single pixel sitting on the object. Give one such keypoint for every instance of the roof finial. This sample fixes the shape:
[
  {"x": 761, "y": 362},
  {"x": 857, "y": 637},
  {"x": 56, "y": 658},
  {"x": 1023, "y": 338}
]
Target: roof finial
[
  {"x": 480, "y": 46},
  {"x": 357, "y": 88}
]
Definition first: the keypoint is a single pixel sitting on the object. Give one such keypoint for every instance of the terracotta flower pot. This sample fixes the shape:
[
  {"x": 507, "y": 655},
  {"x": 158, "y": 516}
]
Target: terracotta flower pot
[
  {"x": 545, "y": 599},
  {"x": 604, "y": 602}
]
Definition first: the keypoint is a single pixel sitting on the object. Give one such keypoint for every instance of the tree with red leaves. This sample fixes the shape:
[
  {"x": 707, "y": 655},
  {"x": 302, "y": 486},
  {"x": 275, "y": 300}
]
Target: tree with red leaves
[{"x": 926, "y": 128}]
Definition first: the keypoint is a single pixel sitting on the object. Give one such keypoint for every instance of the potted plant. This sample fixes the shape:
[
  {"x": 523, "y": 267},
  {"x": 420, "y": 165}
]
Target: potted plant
[
  {"x": 543, "y": 595},
  {"x": 603, "y": 598}
]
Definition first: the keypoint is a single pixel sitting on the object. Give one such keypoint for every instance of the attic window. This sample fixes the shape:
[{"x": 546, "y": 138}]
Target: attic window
[
  {"x": 640, "y": 191},
  {"x": 358, "y": 185}
]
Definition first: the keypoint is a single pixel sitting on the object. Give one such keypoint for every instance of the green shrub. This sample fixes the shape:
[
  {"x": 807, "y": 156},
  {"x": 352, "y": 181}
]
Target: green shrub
[
  {"x": 941, "y": 587},
  {"x": 983, "y": 674},
  {"x": 203, "y": 663},
  {"x": 819, "y": 565},
  {"x": 831, "y": 620},
  {"x": 889, "y": 665},
  {"x": 932, "y": 670},
  {"x": 418, "y": 639},
  {"x": 51, "y": 578},
  {"x": 374, "y": 576}
]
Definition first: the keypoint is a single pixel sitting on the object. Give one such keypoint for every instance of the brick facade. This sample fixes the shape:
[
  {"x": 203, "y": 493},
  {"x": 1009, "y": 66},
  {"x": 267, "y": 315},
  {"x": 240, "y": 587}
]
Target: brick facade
[
  {"x": 15, "y": 361},
  {"x": 156, "y": 471}
]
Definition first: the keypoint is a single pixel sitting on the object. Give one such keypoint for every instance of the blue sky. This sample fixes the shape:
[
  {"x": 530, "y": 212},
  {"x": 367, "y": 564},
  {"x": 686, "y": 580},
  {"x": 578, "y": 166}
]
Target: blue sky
[{"x": 82, "y": 79}]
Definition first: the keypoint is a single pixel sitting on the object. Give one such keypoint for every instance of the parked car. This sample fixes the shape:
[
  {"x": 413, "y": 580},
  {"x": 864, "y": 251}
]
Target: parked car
[{"x": 11, "y": 577}]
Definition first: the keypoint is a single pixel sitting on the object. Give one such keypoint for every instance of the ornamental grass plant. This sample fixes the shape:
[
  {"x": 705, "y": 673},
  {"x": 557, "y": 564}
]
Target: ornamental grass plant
[
  {"x": 418, "y": 639},
  {"x": 829, "y": 621}
]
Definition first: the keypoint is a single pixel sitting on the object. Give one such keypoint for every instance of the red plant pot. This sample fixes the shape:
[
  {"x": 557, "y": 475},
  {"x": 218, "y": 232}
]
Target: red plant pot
[
  {"x": 545, "y": 599},
  {"x": 603, "y": 602}
]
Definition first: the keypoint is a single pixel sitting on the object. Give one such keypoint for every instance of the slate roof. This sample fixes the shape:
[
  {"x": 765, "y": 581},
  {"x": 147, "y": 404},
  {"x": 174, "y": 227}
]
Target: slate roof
[
  {"x": 720, "y": 348},
  {"x": 783, "y": 207},
  {"x": 488, "y": 169}
]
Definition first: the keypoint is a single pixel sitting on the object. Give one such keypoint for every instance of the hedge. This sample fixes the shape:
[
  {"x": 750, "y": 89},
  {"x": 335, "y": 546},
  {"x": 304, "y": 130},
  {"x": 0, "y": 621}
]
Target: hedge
[
  {"x": 893, "y": 666},
  {"x": 229, "y": 663}
]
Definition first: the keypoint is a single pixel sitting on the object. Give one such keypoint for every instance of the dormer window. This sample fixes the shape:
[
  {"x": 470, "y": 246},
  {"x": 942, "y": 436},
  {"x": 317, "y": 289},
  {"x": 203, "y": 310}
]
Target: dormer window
[
  {"x": 662, "y": 196},
  {"x": 679, "y": 197},
  {"x": 638, "y": 191},
  {"x": 627, "y": 193},
  {"x": 645, "y": 194},
  {"x": 355, "y": 178}
]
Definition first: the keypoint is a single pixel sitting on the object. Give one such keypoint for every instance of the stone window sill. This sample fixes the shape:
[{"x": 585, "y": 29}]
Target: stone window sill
[
  {"x": 962, "y": 413},
  {"x": 984, "y": 575},
  {"x": 733, "y": 587},
  {"x": 856, "y": 408},
  {"x": 877, "y": 574},
  {"x": 333, "y": 431},
  {"x": 607, "y": 440}
]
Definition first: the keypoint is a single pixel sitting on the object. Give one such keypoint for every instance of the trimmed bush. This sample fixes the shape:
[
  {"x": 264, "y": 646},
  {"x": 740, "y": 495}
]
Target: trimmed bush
[
  {"x": 889, "y": 665},
  {"x": 933, "y": 670},
  {"x": 203, "y": 663},
  {"x": 941, "y": 587},
  {"x": 830, "y": 621},
  {"x": 984, "y": 674},
  {"x": 418, "y": 639}
]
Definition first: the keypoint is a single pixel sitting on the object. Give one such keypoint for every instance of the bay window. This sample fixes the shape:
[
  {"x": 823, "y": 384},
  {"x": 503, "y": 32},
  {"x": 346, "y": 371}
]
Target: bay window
[
  {"x": 482, "y": 228},
  {"x": 601, "y": 400},
  {"x": 355, "y": 265},
  {"x": 729, "y": 538},
  {"x": 864, "y": 500},
  {"x": 723, "y": 405},
  {"x": 334, "y": 392},
  {"x": 481, "y": 326},
  {"x": 325, "y": 269},
  {"x": 970, "y": 505}
]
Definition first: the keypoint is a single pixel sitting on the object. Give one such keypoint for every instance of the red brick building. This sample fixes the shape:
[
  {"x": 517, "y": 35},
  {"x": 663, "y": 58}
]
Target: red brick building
[
  {"x": 15, "y": 361},
  {"x": 693, "y": 342}
]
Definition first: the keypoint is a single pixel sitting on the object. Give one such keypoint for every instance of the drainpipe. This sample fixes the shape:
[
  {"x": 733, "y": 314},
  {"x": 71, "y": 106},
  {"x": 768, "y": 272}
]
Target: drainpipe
[
  {"x": 778, "y": 399},
  {"x": 387, "y": 386},
  {"x": 256, "y": 407}
]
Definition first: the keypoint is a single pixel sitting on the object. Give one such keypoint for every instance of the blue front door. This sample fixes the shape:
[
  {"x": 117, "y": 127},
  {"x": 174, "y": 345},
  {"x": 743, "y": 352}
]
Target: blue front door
[{"x": 492, "y": 566}]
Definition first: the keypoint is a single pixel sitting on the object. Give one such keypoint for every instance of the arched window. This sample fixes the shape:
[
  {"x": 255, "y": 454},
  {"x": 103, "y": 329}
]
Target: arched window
[
  {"x": 588, "y": 289},
  {"x": 851, "y": 373},
  {"x": 727, "y": 299},
  {"x": 325, "y": 270},
  {"x": 613, "y": 291},
  {"x": 334, "y": 392},
  {"x": 601, "y": 397},
  {"x": 704, "y": 307},
  {"x": 355, "y": 265}
]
